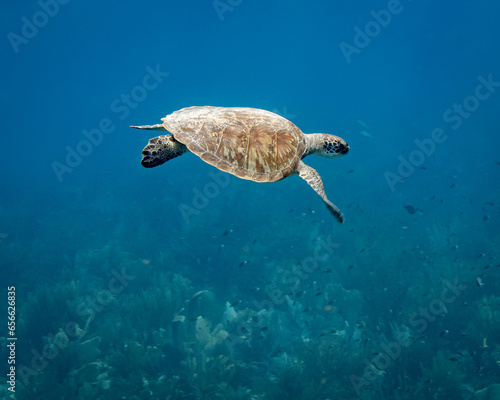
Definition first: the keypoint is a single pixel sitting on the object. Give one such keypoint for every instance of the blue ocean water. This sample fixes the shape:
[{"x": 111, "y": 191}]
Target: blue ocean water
[{"x": 182, "y": 282}]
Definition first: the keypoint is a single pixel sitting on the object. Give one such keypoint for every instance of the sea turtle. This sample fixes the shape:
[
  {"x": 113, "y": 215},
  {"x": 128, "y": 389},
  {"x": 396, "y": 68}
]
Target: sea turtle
[{"x": 249, "y": 143}]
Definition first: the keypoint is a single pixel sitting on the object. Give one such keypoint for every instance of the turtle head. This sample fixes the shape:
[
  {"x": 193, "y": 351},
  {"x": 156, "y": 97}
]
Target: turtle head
[{"x": 325, "y": 145}]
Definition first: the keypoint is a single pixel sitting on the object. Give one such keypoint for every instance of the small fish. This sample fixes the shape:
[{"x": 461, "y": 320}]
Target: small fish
[
  {"x": 365, "y": 133},
  {"x": 363, "y": 124},
  {"x": 199, "y": 293},
  {"x": 235, "y": 303},
  {"x": 264, "y": 329},
  {"x": 225, "y": 233},
  {"x": 454, "y": 359},
  {"x": 350, "y": 171},
  {"x": 453, "y": 186},
  {"x": 327, "y": 270},
  {"x": 366, "y": 129},
  {"x": 444, "y": 333},
  {"x": 479, "y": 282},
  {"x": 410, "y": 209}
]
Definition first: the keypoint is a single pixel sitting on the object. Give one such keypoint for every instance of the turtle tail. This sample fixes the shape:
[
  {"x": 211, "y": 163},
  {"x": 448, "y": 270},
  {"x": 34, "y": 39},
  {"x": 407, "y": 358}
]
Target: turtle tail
[
  {"x": 160, "y": 149},
  {"x": 157, "y": 127}
]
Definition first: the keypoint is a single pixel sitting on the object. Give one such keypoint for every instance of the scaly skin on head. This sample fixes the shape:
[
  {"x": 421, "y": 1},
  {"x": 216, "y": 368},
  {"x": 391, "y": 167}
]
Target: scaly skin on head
[{"x": 325, "y": 145}]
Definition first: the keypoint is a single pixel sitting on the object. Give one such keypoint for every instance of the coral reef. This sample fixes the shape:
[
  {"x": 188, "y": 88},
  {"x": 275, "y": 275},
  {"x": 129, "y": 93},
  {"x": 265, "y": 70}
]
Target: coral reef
[{"x": 203, "y": 312}]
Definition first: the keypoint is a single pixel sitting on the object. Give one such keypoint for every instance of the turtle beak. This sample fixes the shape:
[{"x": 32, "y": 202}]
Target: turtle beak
[{"x": 343, "y": 148}]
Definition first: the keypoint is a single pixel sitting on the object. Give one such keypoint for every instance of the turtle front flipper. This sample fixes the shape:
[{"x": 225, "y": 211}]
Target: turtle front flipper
[
  {"x": 311, "y": 176},
  {"x": 160, "y": 149}
]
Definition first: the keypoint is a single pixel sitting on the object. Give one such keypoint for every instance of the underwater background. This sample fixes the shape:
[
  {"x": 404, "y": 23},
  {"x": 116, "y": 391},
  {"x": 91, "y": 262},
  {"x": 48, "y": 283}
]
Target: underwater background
[{"x": 182, "y": 282}]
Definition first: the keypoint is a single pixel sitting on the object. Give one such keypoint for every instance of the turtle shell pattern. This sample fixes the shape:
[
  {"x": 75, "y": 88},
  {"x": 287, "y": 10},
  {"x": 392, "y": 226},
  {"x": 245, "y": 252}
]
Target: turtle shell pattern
[{"x": 249, "y": 143}]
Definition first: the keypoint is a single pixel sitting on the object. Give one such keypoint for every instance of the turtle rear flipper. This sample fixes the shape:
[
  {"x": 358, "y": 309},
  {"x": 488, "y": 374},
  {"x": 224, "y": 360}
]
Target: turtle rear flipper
[{"x": 160, "y": 149}]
